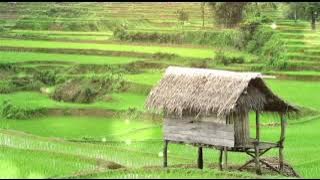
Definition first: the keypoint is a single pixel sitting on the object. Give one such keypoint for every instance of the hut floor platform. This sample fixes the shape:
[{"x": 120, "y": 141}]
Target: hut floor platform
[
  {"x": 251, "y": 146},
  {"x": 247, "y": 148}
]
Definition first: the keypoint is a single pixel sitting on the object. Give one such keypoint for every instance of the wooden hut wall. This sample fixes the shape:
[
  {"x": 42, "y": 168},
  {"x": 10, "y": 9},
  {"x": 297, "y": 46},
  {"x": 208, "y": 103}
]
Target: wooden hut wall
[
  {"x": 206, "y": 131},
  {"x": 241, "y": 128}
]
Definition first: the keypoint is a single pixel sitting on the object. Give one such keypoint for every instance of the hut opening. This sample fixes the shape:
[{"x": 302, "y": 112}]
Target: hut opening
[{"x": 210, "y": 108}]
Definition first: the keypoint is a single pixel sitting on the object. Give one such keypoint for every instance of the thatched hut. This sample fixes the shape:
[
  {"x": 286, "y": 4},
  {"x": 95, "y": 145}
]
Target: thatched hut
[{"x": 210, "y": 108}]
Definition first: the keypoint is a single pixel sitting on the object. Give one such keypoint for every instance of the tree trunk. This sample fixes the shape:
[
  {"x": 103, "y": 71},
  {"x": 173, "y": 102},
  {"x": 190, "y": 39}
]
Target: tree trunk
[
  {"x": 295, "y": 13},
  {"x": 313, "y": 20},
  {"x": 202, "y": 10}
]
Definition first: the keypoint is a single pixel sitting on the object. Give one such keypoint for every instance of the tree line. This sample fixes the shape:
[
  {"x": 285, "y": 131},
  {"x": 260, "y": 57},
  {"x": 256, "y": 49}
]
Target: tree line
[{"x": 230, "y": 14}]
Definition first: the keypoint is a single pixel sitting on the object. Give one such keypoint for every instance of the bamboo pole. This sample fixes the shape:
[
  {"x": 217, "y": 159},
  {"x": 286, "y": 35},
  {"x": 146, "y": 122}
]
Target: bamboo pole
[
  {"x": 165, "y": 153},
  {"x": 220, "y": 159},
  {"x": 257, "y": 161},
  {"x": 225, "y": 157},
  {"x": 257, "y": 126},
  {"x": 200, "y": 158},
  {"x": 282, "y": 138}
]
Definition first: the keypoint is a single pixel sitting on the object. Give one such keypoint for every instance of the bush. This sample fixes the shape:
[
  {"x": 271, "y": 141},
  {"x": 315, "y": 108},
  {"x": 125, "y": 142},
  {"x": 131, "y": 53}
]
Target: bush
[
  {"x": 226, "y": 60},
  {"x": 26, "y": 83},
  {"x": 259, "y": 38},
  {"x": 226, "y": 38},
  {"x": 10, "y": 111},
  {"x": 167, "y": 56},
  {"x": 237, "y": 60},
  {"x": 47, "y": 76},
  {"x": 200, "y": 64},
  {"x": 7, "y": 87},
  {"x": 2, "y": 29},
  {"x": 221, "y": 58},
  {"x": 273, "y": 53},
  {"x": 87, "y": 89},
  {"x": 7, "y": 67}
]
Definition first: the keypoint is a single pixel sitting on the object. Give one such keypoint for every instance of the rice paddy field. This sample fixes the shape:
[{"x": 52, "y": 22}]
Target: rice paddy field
[{"x": 50, "y": 56}]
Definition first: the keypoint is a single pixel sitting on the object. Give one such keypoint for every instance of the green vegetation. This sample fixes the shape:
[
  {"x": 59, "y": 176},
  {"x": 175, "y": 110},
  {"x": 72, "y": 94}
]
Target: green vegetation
[
  {"x": 34, "y": 100},
  {"x": 20, "y": 57},
  {"x": 17, "y": 163},
  {"x": 186, "y": 52},
  {"x": 109, "y": 129}
]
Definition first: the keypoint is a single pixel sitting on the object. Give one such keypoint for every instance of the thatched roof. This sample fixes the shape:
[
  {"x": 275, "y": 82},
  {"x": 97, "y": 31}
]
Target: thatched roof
[{"x": 203, "y": 92}]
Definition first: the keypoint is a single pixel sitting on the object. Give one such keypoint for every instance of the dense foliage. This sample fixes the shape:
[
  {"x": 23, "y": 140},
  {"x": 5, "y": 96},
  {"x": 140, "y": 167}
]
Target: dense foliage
[
  {"x": 226, "y": 38},
  {"x": 228, "y": 14},
  {"x": 8, "y": 110}
]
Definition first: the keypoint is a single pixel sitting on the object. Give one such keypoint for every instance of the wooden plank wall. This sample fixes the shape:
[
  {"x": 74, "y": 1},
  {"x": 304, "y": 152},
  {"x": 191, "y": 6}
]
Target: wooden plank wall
[
  {"x": 241, "y": 128},
  {"x": 204, "y": 132}
]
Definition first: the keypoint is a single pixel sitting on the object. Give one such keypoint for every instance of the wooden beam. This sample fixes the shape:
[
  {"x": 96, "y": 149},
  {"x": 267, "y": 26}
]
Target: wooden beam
[
  {"x": 257, "y": 161},
  {"x": 269, "y": 166},
  {"x": 282, "y": 138},
  {"x": 225, "y": 157},
  {"x": 243, "y": 166},
  {"x": 257, "y": 126},
  {"x": 165, "y": 153},
  {"x": 220, "y": 159},
  {"x": 200, "y": 158}
]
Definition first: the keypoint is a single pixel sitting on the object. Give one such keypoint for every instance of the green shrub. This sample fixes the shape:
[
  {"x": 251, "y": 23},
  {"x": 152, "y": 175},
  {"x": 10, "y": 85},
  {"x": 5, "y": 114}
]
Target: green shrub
[
  {"x": 7, "y": 67},
  {"x": 120, "y": 33},
  {"x": 226, "y": 38},
  {"x": 167, "y": 56},
  {"x": 237, "y": 60},
  {"x": 26, "y": 84},
  {"x": 7, "y": 87},
  {"x": 87, "y": 89},
  {"x": 2, "y": 29},
  {"x": 247, "y": 29},
  {"x": 47, "y": 76},
  {"x": 61, "y": 79},
  {"x": 259, "y": 38},
  {"x": 10, "y": 111},
  {"x": 200, "y": 64},
  {"x": 221, "y": 58},
  {"x": 273, "y": 53}
]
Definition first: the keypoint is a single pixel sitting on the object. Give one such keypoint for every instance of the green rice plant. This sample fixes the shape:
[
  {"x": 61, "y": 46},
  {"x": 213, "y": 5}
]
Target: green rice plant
[
  {"x": 20, "y": 57},
  {"x": 173, "y": 172},
  {"x": 120, "y": 101},
  {"x": 22, "y": 163},
  {"x": 181, "y": 51}
]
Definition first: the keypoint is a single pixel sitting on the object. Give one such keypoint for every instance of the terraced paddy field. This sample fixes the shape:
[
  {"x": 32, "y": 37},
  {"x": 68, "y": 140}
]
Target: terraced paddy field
[{"x": 48, "y": 135}]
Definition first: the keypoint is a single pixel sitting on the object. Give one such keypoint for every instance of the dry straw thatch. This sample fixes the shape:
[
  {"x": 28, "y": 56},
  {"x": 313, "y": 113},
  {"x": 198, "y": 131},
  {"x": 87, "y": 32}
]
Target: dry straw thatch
[{"x": 204, "y": 92}]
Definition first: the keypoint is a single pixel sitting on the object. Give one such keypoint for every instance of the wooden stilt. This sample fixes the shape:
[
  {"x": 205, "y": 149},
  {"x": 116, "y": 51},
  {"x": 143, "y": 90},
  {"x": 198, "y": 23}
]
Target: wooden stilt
[
  {"x": 257, "y": 161},
  {"x": 225, "y": 157},
  {"x": 282, "y": 138},
  {"x": 220, "y": 159},
  {"x": 257, "y": 126},
  {"x": 165, "y": 153},
  {"x": 200, "y": 158}
]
